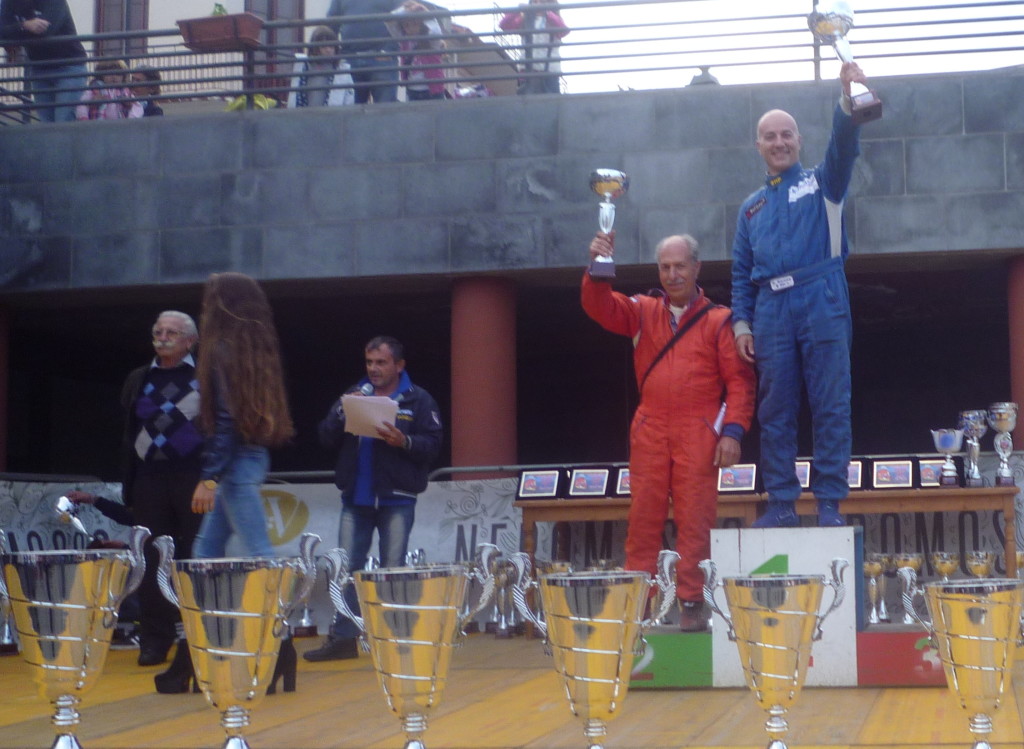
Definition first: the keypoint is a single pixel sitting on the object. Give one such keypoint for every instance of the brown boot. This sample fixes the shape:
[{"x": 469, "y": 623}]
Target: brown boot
[{"x": 693, "y": 616}]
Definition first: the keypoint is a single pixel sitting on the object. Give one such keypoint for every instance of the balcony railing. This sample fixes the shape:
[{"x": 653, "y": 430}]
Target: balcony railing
[{"x": 615, "y": 45}]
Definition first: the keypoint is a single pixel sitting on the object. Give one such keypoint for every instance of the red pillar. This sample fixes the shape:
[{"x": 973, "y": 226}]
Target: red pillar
[
  {"x": 483, "y": 428},
  {"x": 1015, "y": 305}
]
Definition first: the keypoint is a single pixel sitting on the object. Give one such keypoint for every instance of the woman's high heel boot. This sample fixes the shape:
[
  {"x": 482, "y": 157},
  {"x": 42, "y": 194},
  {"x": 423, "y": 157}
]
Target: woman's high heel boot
[
  {"x": 287, "y": 661},
  {"x": 176, "y": 679}
]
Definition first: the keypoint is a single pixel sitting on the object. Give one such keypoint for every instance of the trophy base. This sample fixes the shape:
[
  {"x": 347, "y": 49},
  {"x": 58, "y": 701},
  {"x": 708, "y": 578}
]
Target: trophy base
[
  {"x": 601, "y": 270},
  {"x": 9, "y": 648},
  {"x": 949, "y": 482},
  {"x": 304, "y": 630},
  {"x": 1005, "y": 481},
  {"x": 974, "y": 483},
  {"x": 865, "y": 107}
]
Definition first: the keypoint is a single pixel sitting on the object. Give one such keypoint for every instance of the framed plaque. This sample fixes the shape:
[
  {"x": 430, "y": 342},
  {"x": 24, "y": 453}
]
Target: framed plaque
[
  {"x": 892, "y": 474},
  {"x": 589, "y": 482},
  {"x": 931, "y": 471},
  {"x": 538, "y": 484},
  {"x": 737, "y": 478},
  {"x": 622, "y": 483},
  {"x": 803, "y": 473},
  {"x": 855, "y": 474}
]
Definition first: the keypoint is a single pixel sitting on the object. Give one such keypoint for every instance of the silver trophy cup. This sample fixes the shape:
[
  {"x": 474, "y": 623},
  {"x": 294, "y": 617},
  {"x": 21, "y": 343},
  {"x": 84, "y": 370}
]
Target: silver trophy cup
[
  {"x": 830, "y": 24},
  {"x": 609, "y": 184},
  {"x": 948, "y": 442},
  {"x": 974, "y": 424},
  {"x": 774, "y": 623},
  {"x": 235, "y": 613},
  {"x": 594, "y": 623},
  {"x": 1002, "y": 417},
  {"x": 412, "y": 620},
  {"x": 975, "y": 625},
  {"x": 65, "y": 608}
]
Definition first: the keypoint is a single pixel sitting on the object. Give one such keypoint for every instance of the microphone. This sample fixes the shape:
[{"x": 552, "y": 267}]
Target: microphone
[{"x": 366, "y": 389}]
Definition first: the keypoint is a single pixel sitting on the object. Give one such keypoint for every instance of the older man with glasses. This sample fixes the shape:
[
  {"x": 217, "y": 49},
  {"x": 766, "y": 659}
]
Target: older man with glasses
[{"x": 161, "y": 450}]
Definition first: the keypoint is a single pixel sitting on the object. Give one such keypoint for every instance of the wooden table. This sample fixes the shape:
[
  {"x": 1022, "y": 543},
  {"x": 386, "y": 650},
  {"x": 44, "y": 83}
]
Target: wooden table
[{"x": 747, "y": 507}]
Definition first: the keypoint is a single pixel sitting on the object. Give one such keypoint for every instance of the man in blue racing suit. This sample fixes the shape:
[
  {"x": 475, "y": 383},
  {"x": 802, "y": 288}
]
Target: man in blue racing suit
[{"x": 789, "y": 297}]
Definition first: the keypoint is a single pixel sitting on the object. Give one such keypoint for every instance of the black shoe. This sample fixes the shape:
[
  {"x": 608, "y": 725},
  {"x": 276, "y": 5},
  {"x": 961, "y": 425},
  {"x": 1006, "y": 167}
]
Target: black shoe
[
  {"x": 693, "y": 616},
  {"x": 150, "y": 655},
  {"x": 287, "y": 661},
  {"x": 334, "y": 649},
  {"x": 176, "y": 679}
]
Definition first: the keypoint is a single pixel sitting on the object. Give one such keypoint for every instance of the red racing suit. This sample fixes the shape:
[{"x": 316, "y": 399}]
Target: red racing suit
[{"x": 672, "y": 438}]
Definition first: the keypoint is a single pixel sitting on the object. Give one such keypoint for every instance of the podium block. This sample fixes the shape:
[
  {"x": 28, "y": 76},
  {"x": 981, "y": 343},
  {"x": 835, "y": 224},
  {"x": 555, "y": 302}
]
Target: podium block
[
  {"x": 803, "y": 551},
  {"x": 673, "y": 659},
  {"x": 897, "y": 658}
]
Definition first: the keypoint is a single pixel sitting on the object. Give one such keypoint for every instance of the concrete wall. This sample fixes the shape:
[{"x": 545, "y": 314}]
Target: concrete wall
[{"x": 485, "y": 185}]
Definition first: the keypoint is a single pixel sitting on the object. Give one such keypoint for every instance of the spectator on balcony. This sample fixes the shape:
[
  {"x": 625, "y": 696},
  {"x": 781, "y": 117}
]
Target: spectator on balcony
[
  {"x": 369, "y": 49},
  {"x": 106, "y": 98},
  {"x": 542, "y": 30},
  {"x": 422, "y": 48},
  {"x": 146, "y": 83},
  {"x": 321, "y": 78},
  {"x": 56, "y": 73}
]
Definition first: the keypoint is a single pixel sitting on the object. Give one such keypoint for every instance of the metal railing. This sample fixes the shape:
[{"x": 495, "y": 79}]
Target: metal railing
[{"x": 610, "y": 46}]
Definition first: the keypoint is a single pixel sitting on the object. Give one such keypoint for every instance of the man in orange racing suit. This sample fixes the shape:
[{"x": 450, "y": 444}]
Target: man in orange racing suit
[{"x": 679, "y": 437}]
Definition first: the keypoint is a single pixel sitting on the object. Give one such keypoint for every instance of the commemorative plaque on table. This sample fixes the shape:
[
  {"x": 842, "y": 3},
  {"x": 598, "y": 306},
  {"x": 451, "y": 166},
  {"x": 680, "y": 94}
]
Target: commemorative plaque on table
[
  {"x": 855, "y": 474},
  {"x": 589, "y": 482},
  {"x": 892, "y": 473},
  {"x": 622, "y": 482},
  {"x": 738, "y": 479},
  {"x": 803, "y": 473},
  {"x": 539, "y": 484},
  {"x": 929, "y": 472}
]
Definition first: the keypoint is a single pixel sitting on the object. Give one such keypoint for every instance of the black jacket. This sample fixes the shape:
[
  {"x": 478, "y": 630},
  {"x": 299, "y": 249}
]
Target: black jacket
[
  {"x": 396, "y": 470},
  {"x": 43, "y": 51}
]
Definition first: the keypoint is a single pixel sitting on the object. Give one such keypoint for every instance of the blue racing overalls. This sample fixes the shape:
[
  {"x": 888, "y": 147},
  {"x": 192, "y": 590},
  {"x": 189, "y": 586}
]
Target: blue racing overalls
[{"x": 789, "y": 288}]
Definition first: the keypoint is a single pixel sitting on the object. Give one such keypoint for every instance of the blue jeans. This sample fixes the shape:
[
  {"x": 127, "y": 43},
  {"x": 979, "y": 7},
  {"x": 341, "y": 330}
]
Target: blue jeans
[
  {"x": 382, "y": 85},
  {"x": 393, "y": 524},
  {"x": 61, "y": 85},
  {"x": 802, "y": 338},
  {"x": 238, "y": 508}
]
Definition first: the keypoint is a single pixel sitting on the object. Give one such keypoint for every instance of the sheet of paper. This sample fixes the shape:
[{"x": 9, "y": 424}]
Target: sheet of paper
[{"x": 364, "y": 413}]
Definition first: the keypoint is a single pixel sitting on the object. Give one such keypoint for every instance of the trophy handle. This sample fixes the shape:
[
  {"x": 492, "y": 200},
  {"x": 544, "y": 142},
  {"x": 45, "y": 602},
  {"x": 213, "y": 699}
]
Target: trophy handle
[
  {"x": 665, "y": 579},
  {"x": 483, "y": 572},
  {"x": 911, "y": 590},
  {"x": 165, "y": 545},
  {"x": 520, "y": 585},
  {"x": 307, "y": 579},
  {"x": 710, "y": 584},
  {"x": 838, "y": 567},
  {"x": 339, "y": 578},
  {"x": 5, "y": 596}
]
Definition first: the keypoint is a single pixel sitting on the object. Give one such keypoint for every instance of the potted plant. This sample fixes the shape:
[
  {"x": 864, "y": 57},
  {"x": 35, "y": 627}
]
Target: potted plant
[{"x": 225, "y": 32}]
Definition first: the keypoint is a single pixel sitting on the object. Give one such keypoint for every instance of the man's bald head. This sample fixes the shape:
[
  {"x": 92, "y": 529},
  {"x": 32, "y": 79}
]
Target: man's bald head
[{"x": 778, "y": 140}]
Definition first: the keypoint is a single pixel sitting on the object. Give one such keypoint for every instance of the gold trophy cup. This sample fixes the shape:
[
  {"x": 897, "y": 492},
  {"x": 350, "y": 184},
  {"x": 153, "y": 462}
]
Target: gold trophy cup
[
  {"x": 774, "y": 623},
  {"x": 412, "y": 620},
  {"x": 975, "y": 625},
  {"x": 65, "y": 608},
  {"x": 235, "y": 612},
  {"x": 594, "y": 623}
]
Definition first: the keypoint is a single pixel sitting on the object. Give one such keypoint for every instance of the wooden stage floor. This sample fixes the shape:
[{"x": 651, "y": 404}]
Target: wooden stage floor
[{"x": 501, "y": 694}]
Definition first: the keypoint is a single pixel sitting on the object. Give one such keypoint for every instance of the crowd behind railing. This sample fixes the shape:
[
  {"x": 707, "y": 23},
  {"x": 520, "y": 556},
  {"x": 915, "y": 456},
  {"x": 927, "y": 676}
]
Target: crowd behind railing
[{"x": 421, "y": 50}]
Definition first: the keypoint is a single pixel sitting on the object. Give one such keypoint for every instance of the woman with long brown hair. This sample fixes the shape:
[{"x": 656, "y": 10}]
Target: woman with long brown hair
[{"x": 243, "y": 411}]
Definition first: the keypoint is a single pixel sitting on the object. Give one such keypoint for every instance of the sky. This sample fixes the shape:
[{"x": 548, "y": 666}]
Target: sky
[{"x": 663, "y": 45}]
